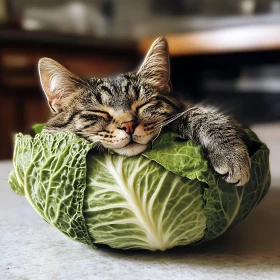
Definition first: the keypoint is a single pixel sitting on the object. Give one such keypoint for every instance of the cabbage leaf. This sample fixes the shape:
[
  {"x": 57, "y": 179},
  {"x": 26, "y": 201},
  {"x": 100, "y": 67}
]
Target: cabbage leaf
[
  {"x": 135, "y": 203},
  {"x": 169, "y": 196},
  {"x": 50, "y": 170}
]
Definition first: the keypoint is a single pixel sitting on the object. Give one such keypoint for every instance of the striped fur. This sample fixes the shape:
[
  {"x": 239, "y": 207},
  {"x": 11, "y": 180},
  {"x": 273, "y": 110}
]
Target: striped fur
[{"x": 97, "y": 110}]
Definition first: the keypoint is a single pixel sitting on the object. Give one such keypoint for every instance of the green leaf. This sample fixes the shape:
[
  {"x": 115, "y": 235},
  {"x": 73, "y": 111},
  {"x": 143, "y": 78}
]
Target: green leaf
[
  {"x": 38, "y": 128},
  {"x": 52, "y": 170},
  {"x": 169, "y": 196},
  {"x": 134, "y": 203},
  {"x": 21, "y": 160},
  {"x": 252, "y": 192},
  {"x": 223, "y": 204},
  {"x": 184, "y": 158}
]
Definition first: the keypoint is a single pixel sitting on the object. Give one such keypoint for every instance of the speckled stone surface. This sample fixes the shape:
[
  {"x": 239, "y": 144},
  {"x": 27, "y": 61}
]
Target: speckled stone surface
[{"x": 32, "y": 249}]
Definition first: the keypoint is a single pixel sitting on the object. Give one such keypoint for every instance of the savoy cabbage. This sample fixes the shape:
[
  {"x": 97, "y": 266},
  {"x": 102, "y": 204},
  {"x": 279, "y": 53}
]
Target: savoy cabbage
[{"x": 169, "y": 196}]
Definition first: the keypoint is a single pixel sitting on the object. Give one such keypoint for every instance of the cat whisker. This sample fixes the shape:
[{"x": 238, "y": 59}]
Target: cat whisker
[
  {"x": 157, "y": 135},
  {"x": 169, "y": 120}
]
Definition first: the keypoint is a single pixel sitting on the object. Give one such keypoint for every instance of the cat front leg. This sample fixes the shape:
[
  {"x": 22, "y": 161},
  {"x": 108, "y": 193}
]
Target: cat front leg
[{"x": 220, "y": 138}]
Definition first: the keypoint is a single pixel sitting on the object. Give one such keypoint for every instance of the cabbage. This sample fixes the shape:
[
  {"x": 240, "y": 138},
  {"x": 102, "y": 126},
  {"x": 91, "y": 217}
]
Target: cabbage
[{"x": 169, "y": 196}]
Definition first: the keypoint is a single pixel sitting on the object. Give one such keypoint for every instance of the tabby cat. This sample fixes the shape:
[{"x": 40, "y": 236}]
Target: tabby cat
[{"x": 129, "y": 111}]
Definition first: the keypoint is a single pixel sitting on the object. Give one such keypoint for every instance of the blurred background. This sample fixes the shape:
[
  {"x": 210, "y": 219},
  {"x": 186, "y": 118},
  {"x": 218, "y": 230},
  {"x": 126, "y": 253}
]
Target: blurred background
[{"x": 225, "y": 52}]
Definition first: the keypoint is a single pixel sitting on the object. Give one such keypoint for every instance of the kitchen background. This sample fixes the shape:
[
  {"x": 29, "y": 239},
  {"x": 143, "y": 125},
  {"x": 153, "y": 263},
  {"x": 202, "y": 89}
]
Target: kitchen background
[{"x": 224, "y": 52}]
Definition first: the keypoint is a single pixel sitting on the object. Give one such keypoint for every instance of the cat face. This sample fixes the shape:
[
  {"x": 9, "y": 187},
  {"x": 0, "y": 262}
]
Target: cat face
[{"x": 124, "y": 113}]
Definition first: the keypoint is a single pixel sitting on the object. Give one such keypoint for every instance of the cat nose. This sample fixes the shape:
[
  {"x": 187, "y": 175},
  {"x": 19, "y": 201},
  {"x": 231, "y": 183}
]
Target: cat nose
[{"x": 128, "y": 127}]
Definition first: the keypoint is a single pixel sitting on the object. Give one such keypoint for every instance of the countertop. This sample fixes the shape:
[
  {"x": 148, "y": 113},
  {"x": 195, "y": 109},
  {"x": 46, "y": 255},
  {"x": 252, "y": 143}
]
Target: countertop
[{"x": 32, "y": 249}]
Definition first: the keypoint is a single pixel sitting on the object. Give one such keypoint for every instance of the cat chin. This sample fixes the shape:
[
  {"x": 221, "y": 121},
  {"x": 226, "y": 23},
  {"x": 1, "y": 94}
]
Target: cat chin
[{"x": 132, "y": 149}]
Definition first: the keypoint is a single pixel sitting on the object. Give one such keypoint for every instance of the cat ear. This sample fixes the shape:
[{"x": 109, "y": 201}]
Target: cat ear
[
  {"x": 156, "y": 67},
  {"x": 57, "y": 82}
]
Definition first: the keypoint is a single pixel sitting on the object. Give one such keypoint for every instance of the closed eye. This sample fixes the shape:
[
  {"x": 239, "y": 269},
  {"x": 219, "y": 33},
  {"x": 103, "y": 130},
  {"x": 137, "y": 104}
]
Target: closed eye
[
  {"x": 92, "y": 114},
  {"x": 146, "y": 104}
]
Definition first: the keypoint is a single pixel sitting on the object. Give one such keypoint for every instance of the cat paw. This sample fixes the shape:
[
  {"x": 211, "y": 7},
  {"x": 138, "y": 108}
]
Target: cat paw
[{"x": 234, "y": 165}]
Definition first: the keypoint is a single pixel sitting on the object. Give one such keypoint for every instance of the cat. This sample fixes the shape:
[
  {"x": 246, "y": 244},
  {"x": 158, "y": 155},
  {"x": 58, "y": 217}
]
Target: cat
[{"x": 129, "y": 111}]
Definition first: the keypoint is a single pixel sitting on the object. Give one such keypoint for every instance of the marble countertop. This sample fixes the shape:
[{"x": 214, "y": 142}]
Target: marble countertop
[{"x": 32, "y": 249}]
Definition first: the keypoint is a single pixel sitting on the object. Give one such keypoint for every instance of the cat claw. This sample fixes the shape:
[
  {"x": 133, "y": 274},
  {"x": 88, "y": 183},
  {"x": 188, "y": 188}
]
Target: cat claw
[{"x": 235, "y": 169}]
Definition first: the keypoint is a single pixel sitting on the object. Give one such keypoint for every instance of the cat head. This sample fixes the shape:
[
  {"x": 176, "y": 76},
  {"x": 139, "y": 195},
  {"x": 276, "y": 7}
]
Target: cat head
[{"x": 124, "y": 113}]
